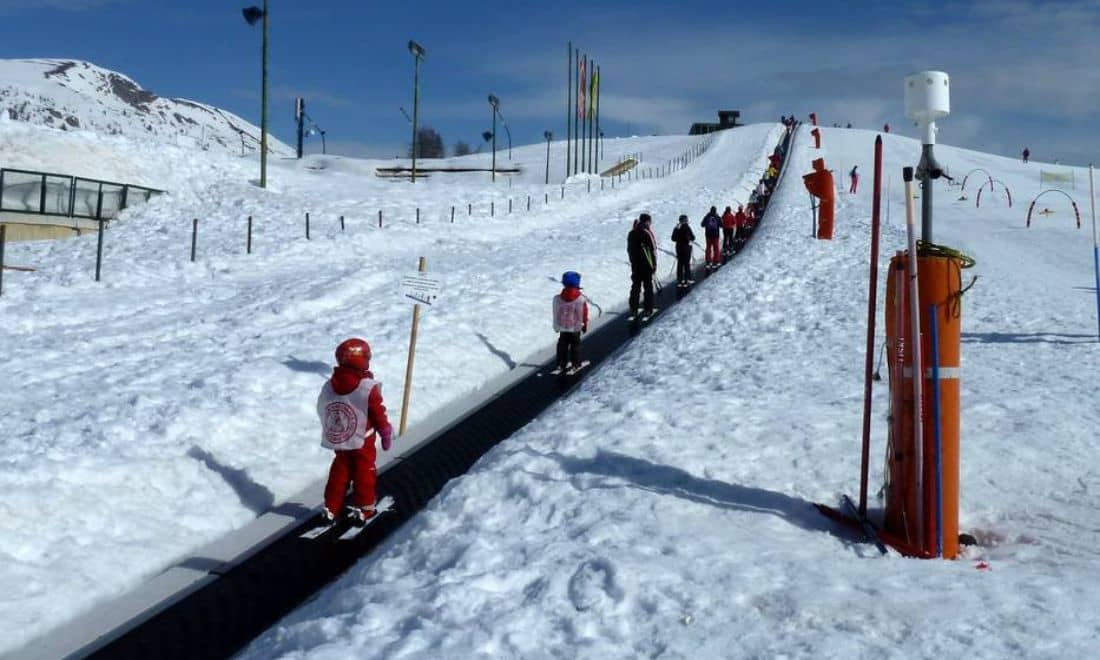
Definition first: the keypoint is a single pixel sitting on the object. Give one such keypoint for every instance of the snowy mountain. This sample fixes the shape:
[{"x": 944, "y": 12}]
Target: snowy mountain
[{"x": 73, "y": 95}]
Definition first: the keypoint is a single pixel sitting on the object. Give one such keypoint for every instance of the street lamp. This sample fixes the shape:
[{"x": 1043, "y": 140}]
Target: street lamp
[
  {"x": 251, "y": 16},
  {"x": 549, "y": 136},
  {"x": 494, "y": 103},
  {"x": 418, "y": 53}
]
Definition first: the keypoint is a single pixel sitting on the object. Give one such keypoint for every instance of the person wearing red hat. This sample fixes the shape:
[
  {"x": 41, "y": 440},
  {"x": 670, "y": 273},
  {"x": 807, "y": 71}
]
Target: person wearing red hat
[{"x": 352, "y": 416}]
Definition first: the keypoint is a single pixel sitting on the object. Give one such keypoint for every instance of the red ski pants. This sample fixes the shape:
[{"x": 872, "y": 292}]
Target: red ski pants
[
  {"x": 855, "y": 184},
  {"x": 356, "y": 466},
  {"x": 714, "y": 252}
]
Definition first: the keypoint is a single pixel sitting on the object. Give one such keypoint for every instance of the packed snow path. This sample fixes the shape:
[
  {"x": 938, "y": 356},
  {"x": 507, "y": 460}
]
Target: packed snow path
[{"x": 173, "y": 402}]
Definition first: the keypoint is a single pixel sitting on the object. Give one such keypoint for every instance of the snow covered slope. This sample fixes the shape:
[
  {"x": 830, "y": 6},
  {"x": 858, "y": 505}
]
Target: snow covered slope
[
  {"x": 664, "y": 509},
  {"x": 75, "y": 95},
  {"x": 153, "y": 412}
]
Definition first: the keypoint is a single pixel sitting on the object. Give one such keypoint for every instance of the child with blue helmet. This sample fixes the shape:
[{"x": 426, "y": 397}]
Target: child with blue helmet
[{"x": 570, "y": 321}]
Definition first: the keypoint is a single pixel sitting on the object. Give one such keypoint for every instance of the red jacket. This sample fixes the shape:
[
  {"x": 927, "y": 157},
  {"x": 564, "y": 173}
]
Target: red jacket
[
  {"x": 344, "y": 381},
  {"x": 742, "y": 219},
  {"x": 569, "y": 294},
  {"x": 729, "y": 220}
]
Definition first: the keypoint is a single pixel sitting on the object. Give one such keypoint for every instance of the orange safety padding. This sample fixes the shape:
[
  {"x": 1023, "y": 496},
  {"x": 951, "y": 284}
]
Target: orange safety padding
[
  {"x": 820, "y": 184},
  {"x": 813, "y": 118},
  {"x": 817, "y": 138},
  {"x": 939, "y": 281}
]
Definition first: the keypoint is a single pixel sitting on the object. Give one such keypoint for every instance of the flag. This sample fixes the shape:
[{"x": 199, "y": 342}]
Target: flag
[
  {"x": 581, "y": 80},
  {"x": 594, "y": 93}
]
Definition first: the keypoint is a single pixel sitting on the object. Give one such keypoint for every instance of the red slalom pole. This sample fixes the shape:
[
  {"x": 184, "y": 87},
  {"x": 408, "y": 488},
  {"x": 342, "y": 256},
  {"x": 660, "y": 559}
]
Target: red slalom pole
[{"x": 872, "y": 301}]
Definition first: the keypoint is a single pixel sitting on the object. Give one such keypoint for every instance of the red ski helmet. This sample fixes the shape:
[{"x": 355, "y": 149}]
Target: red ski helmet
[{"x": 353, "y": 353}]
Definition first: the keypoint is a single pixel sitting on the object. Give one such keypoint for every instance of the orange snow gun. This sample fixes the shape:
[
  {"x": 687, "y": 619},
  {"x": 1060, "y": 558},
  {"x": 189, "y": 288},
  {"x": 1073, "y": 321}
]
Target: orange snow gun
[
  {"x": 820, "y": 184},
  {"x": 817, "y": 137}
]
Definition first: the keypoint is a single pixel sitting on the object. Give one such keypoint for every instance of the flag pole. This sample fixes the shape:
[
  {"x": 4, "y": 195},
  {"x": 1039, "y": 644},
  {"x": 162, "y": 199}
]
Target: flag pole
[
  {"x": 576, "y": 129},
  {"x": 569, "y": 112}
]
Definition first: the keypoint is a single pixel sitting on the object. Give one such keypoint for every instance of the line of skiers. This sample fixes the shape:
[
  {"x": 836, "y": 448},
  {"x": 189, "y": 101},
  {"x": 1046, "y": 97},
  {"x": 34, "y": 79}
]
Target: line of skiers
[{"x": 350, "y": 406}]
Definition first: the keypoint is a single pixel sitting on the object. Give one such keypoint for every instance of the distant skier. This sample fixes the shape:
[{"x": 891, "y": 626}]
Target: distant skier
[
  {"x": 729, "y": 225},
  {"x": 641, "y": 248},
  {"x": 886, "y": 128},
  {"x": 683, "y": 237},
  {"x": 352, "y": 417},
  {"x": 570, "y": 321},
  {"x": 712, "y": 226},
  {"x": 1027, "y": 154},
  {"x": 854, "y": 176},
  {"x": 849, "y": 125}
]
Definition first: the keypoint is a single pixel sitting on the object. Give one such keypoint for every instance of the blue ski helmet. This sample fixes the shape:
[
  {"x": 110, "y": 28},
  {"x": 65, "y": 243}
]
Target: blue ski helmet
[{"x": 571, "y": 278}]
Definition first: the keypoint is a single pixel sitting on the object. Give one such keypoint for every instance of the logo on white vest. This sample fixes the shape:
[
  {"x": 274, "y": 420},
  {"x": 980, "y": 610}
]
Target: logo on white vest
[{"x": 340, "y": 422}]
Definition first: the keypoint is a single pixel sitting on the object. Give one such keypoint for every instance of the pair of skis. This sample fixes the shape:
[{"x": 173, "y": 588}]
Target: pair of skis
[
  {"x": 571, "y": 371},
  {"x": 344, "y": 528}
]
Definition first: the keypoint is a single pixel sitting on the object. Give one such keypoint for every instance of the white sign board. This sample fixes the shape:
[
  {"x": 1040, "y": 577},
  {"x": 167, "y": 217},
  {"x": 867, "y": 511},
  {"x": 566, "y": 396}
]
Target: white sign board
[{"x": 420, "y": 288}]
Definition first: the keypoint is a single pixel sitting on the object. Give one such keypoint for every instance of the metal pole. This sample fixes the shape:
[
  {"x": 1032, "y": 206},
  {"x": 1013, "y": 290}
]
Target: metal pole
[
  {"x": 301, "y": 125},
  {"x": 872, "y": 302},
  {"x": 412, "y": 357},
  {"x": 98, "y": 251},
  {"x": 599, "y": 133},
  {"x": 926, "y": 195},
  {"x": 494, "y": 142},
  {"x": 263, "y": 108},
  {"x": 576, "y": 129},
  {"x": 917, "y": 371},
  {"x": 569, "y": 112},
  {"x": 547, "y": 159},
  {"x": 416, "y": 110},
  {"x": 194, "y": 236},
  {"x": 1095, "y": 250},
  {"x": 248, "y": 247},
  {"x": 584, "y": 118},
  {"x": 933, "y": 325},
  {"x": 3, "y": 241},
  {"x": 307, "y": 226}
]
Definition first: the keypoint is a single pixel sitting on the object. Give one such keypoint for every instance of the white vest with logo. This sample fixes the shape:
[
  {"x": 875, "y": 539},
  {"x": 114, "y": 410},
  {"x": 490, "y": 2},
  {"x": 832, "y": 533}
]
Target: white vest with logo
[
  {"x": 568, "y": 314},
  {"x": 344, "y": 423}
]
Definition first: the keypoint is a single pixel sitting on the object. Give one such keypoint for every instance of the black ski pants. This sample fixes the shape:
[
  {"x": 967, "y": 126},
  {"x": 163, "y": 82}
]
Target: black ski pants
[
  {"x": 569, "y": 349},
  {"x": 638, "y": 280},
  {"x": 683, "y": 263}
]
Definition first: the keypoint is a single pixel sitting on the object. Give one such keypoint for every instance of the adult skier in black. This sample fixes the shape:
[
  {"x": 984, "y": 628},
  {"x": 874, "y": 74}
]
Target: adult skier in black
[
  {"x": 683, "y": 237},
  {"x": 641, "y": 248}
]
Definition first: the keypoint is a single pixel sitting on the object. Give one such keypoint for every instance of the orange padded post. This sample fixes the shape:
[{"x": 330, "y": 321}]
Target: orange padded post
[
  {"x": 813, "y": 118},
  {"x": 820, "y": 184},
  {"x": 939, "y": 281},
  {"x": 817, "y": 137}
]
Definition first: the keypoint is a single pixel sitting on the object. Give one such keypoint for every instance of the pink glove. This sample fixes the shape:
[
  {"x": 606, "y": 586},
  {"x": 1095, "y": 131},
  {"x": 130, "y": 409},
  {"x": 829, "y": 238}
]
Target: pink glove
[{"x": 387, "y": 437}]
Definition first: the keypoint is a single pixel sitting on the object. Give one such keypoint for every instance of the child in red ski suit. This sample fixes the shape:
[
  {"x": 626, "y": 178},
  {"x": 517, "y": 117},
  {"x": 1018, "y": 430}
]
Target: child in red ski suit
[{"x": 352, "y": 416}]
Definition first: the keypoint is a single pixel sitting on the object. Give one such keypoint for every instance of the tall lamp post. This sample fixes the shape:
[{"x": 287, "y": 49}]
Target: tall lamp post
[
  {"x": 549, "y": 136},
  {"x": 418, "y": 53},
  {"x": 494, "y": 103},
  {"x": 252, "y": 15}
]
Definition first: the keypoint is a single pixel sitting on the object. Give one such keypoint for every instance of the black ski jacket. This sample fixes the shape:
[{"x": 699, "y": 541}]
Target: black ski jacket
[
  {"x": 642, "y": 252},
  {"x": 683, "y": 237}
]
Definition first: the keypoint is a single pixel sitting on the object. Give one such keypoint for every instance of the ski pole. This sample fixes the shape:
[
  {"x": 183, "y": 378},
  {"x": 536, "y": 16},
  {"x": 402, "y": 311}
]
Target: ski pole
[{"x": 599, "y": 310}]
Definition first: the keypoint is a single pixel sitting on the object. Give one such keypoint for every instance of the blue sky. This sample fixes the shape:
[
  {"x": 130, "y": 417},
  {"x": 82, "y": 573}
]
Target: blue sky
[{"x": 1023, "y": 72}]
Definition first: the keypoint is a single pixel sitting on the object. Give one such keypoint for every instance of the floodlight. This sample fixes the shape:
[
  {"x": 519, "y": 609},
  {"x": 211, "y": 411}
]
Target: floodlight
[
  {"x": 416, "y": 49},
  {"x": 252, "y": 14}
]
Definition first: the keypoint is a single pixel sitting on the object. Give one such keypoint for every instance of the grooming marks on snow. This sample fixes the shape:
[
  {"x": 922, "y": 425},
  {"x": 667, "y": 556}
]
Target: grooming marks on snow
[{"x": 594, "y": 586}]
